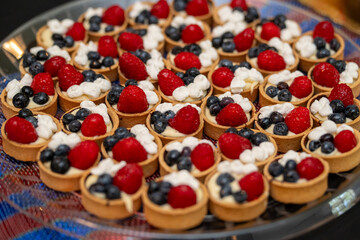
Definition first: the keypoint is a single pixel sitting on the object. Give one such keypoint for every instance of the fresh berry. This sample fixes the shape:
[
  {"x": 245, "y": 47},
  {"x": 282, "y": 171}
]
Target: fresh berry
[
  {"x": 168, "y": 81},
  {"x": 326, "y": 75},
  {"x": 222, "y": 77},
  {"x": 186, "y": 120},
  {"x": 197, "y": 7},
  {"x": 301, "y": 87},
  {"x": 84, "y": 155},
  {"x": 20, "y": 130},
  {"x": 132, "y": 100},
  {"x": 253, "y": 185},
  {"x": 130, "y": 150},
  {"x": 271, "y": 61},
  {"x": 345, "y": 141},
  {"x": 231, "y": 115},
  {"x": 269, "y": 31},
  {"x": 298, "y": 120},
  {"x": 93, "y": 125},
  {"x": 53, "y": 65},
  {"x": 181, "y": 196},
  {"x": 107, "y": 47},
  {"x": 239, "y": 3},
  {"x": 187, "y": 60},
  {"x": 202, "y": 156},
  {"x": 130, "y": 41},
  {"x": 129, "y": 178},
  {"x": 232, "y": 145},
  {"x": 244, "y": 40},
  {"x": 77, "y": 32},
  {"x": 43, "y": 82},
  {"x": 352, "y": 112},
  {"x": 41, "y": 98},
  {"x": 276, "y": 169},
  {"x": 69, "y": 76},
  {"x": 114, "y": 15},
  {"x": 325, "y": 30},
  {"x": 309, "y": 168},
  {"x": 192, "y": 33},
  {"x": 343, "y": 93},
  {"x": 160, "y": 9},
  {"x": 132, "y": 67}
]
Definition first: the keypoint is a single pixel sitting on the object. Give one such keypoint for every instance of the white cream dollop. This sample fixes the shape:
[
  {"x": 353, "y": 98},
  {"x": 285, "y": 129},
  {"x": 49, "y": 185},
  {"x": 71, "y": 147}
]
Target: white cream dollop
[
  {"x": 284, "y": 50},
  {"x": 322, "y": 107},
  {"x": 100, "y": 109},
  {"x": 107, "y": 166},
  {"x": 182, "y": 177},
  {"x": 91, "y": 89},
  {"x": 137, "y": 8},
  {"x": 243, "y": 102},
  {"x": 327, "y": 126},
  {"x": 153, "y": 37},
  {"x": 292, "y": 155},
  {"x": 190, "y": 142},
  {"x": 291, "y": 31},
  {"x": 350, "y": 74},
  {"x": 305, "y": 46},
  {"x": 208, "y": 53},
  {"x": 257, "y": 153},
  {"x": 145, "y": 138},
  {"x": 236, "y": 167},
  {"x": 241, "y": 75},
  {"x": 283, "y": 108},
  {"x": 163, "y": 107},
  {"x": 57, "y": 51},
  {"x": 46, "y": 126},
  {"x": 155, "y": 64},
  {"x": 81, "y": 57},
  {"x": 14, "y": 86},
  {"x": 62, "y": 138},
  {"x": 59, "y": 27},
  {"x": 90, "y": 12},
  {"x": 284, "y": 76},
  {"x": 180, "y": 20}
]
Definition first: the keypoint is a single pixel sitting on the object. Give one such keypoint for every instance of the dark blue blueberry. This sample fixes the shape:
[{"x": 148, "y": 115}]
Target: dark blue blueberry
[
  {"x": 216, "y": 42},
  {"x": 253, "y": 52},
  {"x": 258, "y": 138},
  {"x": 36, "y": 68},
  {"x": 113, "y": 97},
  {"x": 193, "y": 48},
  {"x": 32, "y": 120},
  {"x": 281, "y": 129},
  {"x": 74, "y": 126},
  {"x": 59, "y": 43},
  {"x": 153, "y": 186},
  {"x": 109, "y": 142},
  {"x": 155, "y": 116},
  {"x": 62, "y": 150},
  {"x": 180, "y": 75},
  {"x": 319, "y": 42},
  {"x": 323, "y": 53},
  {"x": 285, "y": 95},
  {"x": 226, "y": 63},
  {"x": 265, "y": 123},
  {"x": 232, "y": 130},
  {"x": 112, "y": 192},
  {"x": 272, "y": 49},
  {"x": 224, "y": 179},
  {"x": 225, "y": 191},
  {"x": 42, "y": 55},
  {"x": 141, "y": 32},
  {"x": 97, "y": 188},
  {"x": 291, "y": 176},
  {"x": 337, "y": 117},
  {"x": 95, "y": 19},
  {"x": 165, "y": 187},
  {"x": 105, "y": 179},
  {"x": 28, "y": 59},
  {"x": 228, "y": 46},
  {"x": 176, "y": 50},
  {"x": 327, "y": 137},
  {"x": 276, "y": 169},
  {"x": 334, "y": 44},
  {"x": 160, "y": 126},
  {"x": 226, "y": 101},
  {"x": 20, "y": 100},
  {"x": 94, "y": 27},
  {"x": 41, "y": 98},
  {"x": 89, "y": 74},
  {"x": 99, "y": 76},
  {"x": 67, "y": 118},
  {"x": 249, "y": 18},
  {"x": 263, "y": 21},
  {"x": 290, "y": 165},
  {"x": 313, "y": 145},
  {"x": 239, "y": 9},
  {"x": 253, "y": 11},
  {"x": 171, "y": 30},
  {"x": 262, "y": 47},
  {"x": 27, "y": 90},
  {"x": 282, "y": 25},
  {"x": 143, "y": 55},
  {"x": 121, "y": 133},
  {"x": 169, "y": 114},
  {"x": 240, "y": 196},
  {"x": 245, "y": 65},
  {"x": 276, "y": 117},
  {"x": 108, "y": 61},
  {"x": 187, "y": 80},
  {"x": 131, "y": 82},
  {"x": 282, "y": 85},
  {"x": 141, "y": 19},
  {"x": 214, "y": 109},
  {"x": 212, "y": 100},
  {"x": 69, "y": 41},
  {"x": 227, "y": 35},
  {"x": 327, "y": 147},
  {"x": 249, "y": 134},
  {"x": 192, "y": 72},
  {"x": 57, "y": 36},
  {"x": 25, "y": 112},
  {"x": 158, "y": 198},
  {"x": 332, "y": 61},
  {"x": 172, "y": 157},
  {"x": 279, "y": 19},
  {"x": 82, "y": 113},
  {"x": 60, "y": 164},
  {"x": 352, "y": 112},
  {"x": 92, "y": 55},
  {"x": 184, "y": 163},
  {"x": 186, "y": 152},
  {"x": 153, "y": 20},
  {"x": 95, "y": 64},
  {"x": 337, "y": 106},
  {"x": 46, "y": 155},
  {"x": 272, "y": 91},
  {"x": 109, "y": 28},
  {"x": 340, "y": 65},
  {"x": 180, "y": 5}
]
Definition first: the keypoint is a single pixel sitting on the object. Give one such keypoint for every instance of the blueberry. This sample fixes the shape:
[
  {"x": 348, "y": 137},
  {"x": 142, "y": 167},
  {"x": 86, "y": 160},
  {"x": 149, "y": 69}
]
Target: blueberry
[
  {"x": 224, "y": 179},
  {"x": 156, "y": 115},
  {"x": 225, "y": 191},
  {"x": 180, "y": 5},
  {"x": 88, "y": 79},
  {"x": 327, "y": 147},
  {"x": 253, "y": 11},
  {"x": 160, "y": 126},
  {"x": 41, "y": 98},
  {"x": 28, "y": 59},
  {"x": 246, "y": 133},
  {"x": 36, "y": 68},
  {"x": 192, "y": 72},
  {"x": 32, "y": 120},
  {"x": 337, "y": 106},
  {"x": 231, "y": 130},
  {"x": 290, "y": 165},
  {"x": 176, "y": 50},
  {"x": 313, "y": 145},
  {"x": 82, "y": 113},
  {"x": 262, "y": 47},
  {"x": 337, "y": 117},
  {"x": 186, "y": 152},
  {"x": 332, "y": 61},
  {"x": 275, "y": 169},
  {"x": 92, "y": 55},
  {"x": 280, "y": 18},
  {"x": 94, "y": 27},
  {"x": 212, "y": 100},
  {"x": 113, "y": 97},
  {"x": 187, "y": 80},
  {"x": 112, "y": 192},
  {"x": 281, "y": 129},
  {"x": 276, "y": 117},
  {"x": 97, "y": 188},
  {"x": 99, "y": 76},
  {"x": 89, "y": 74},
  {"x": 352, "y": 112},
  {"x": 109, "y": 142},
  {"x": 240, "y": 196},
  {"x": 340, "y": 65},
  {"x": 158, "y": 198},
  {"x": 121, "y": 133},
  {"x": 282, "y": 85},
  {"x": 176, "y": 36},
  {"x": 334, "y": 44},
  {"x": 169, "y": 114},
  {"x": 272, "y": 49},
  {"x": 59, "y": 43},
  {"x": 193, "y": 48},
  {"x": 226, "y": 101},
  {"x": 216, "y": 42},
  {"x": 69, "y": 41},
  {"x": 20, "y": 100},
  {"x": 291, "y": 176},
  {"x": 214, "y": 109},
  {"x": 226, "y": 63},
  {"x": 263, "y": 21},
  {"x": 258, "y": 138},
  {"x": 153, "y": 186},
  {"x": 25, "y": 112},
  {"x": 141, "y": 19},
  {"x": 272, "y": 91},
  {"x": 143, "y": 55},
  {"x": 227, "y": 35},
  {"x": 171, "y": 30},
  {"x": 184, "y": 163},
  {"x": 172, "y": 157},
  {"x": 62, "y": 150},
  {"x": 165, "y": 187},
  {"x": 282, "y": 25},
  {"x": 239, "y": 9},
  {"x": 323, "y": 53},
  {"x": 95, "y": 19},
  {"x": 109, "y": 28},
  {"x": 180, "y": 75},
  {"x": 105, "y": 179},
  {"x": 60, "y": 164},
  {"x": 153, "y": 20},
  {"x": 319, "y": 42},
  {"x": 253, "y": 52},
  {"x": 42, "y": 55},
  {"x": 265, "y": 123},
  {"x": 46, "y": 155},
  {"x": 228, "y": 46},
  {"x": 95, "y": 64},
  {"x": 57, "y": 36},
  {"x": 249, "y": 18},
  {"x": 285, "y": 95},
  {"x": 108, "y": 61},
  {"x": 234, "y": 68},
  {"x": 117, "y": 88},
  {"x": 245, "y": 65},
  {"x": 141, "y": 32},
  {"x": 74, "y": 126},
  {"x": 327, "y": 137}
]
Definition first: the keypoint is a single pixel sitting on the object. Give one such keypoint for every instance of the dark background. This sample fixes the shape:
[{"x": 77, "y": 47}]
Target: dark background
[{"x": 16, "y": 12}]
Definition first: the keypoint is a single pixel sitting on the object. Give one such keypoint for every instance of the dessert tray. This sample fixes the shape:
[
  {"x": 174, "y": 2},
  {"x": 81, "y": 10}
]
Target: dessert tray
[{"x": 21, "y": 188}]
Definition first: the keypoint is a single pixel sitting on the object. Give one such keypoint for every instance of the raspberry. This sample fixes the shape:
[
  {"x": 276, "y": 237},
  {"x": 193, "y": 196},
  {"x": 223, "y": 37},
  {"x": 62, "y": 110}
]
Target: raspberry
[
  {"x": 325, "y": 30},
  {"x": 160, "y": 9},
  {"x": 42, "y": 82},
  {"x": 169, "y": 81},
  {"x": 192, "y": 33},
  {"x": 130, "y": 41},
  {"x": 222, "y": 77},
  {"x": 309, "y": 168},
  {"x": 129, "y": 178},
  {"x": 202, "y": 156},
  {"x": 181, "y": 196},
  {"x": 132, "y": 67},
  {"x": 132, "y": 100},
  {"x": 53, "y": 65},
  {"x": 129, "y": 150},
  {"x": 344, "y": 141},
  {"x": 326, "y": 75},
  {"x": 197, "y": 8},
  {"x": 107, "y": 47},
  {"x": 239, "y": 3},
  {"x": 84, "y": 155},
  {"x": 69, "y": 76},
  {"x": 244, "y": 40},
  {"x": 114, "y": 15},
  {"x": 301, "y": 87},
  {"x": 186, "y": 60},
  {"x": 343, "y": 93},
  {"x": 93, "y": 125},
  {"x": 232, "y": 145},
  {"x": 20, "y": 130},
  {"x": 269, "y": 30},
  {"x": 253, "y": 185},
  {"x": 298, "y": 120},
  {"x": 231, "y": 115},
  {"x": 186, "y": 120},
  {"x": 77, "y": 31},
  {"x": 271, "y": 61}
]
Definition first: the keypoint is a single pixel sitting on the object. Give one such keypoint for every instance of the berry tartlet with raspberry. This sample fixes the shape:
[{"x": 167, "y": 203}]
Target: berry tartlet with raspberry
[
  {"x": 336, "y": 144},
  {"x": 297, "y": 177},
  {"x": 248, "y": 146},
  {"x": 236, "y": 78},
  {"x": 172, "y": 122},
  {"x": 66, "y": 34},
  {"x": 227, "y": 110},
  {"x": 102, "y": 57},
  {"x": 272, "y": 57},
  {"x": 23, "y": 135},
  {"x": 136, "y": 145},
  {"x": 64, "y": 160},
  {"x": 37, "y": 94},
  {"x": 315, "y": 46},
  {"x": 133, "y": 102},
  {"x": 90, "y": 121},
  {"x": 237, "y": 192},
  {"x": 112, "y": 190},
  {"x": 190, "y": 87},
  {"x": 200, "y": 9},
  {"x": 199, "y": 157},
  {"x": 99, "y": 22},
  {"x": 285, "y": 123},
  {"x": 177, "y": 201},
  {"x": 286, "y": 86}
]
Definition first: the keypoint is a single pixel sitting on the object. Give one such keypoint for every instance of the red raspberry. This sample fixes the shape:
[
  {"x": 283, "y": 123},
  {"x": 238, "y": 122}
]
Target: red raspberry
[
  {"x": 181, "y": 196},
  {"x": 326, "y": 75},
  {"x": 232, "y": 145},
  {"x": 169, "y": 81},
  {"x": 107, "y": 47},
  {"x": 77, "y": 31},
  {"x": 325, "y": 30},
  {"x": 269, "y": 30},
  {"x": 130, "y": 41},
  {"x": 84, "y": 155},
  {"x": 344, "y": 141},
  {"x": 343, "y": 93},
  {"x": 231, "y": 115},
  {"x": 298, "y": 120},
  {"x": 114, "y": 15},
  {"x": 129, "y": 178},
  {"x": 186, "y": 120},
  {"x": 301, "y": 87},
  {"x": 192, "y": 33},
  {"x": 186, "y": 60},
  {"x": 129, "y": 150},
  {"x": 197, "y": 8},
  {"x": 20, "y": 130},
  {"x": 93, "y": 125},
  {"x": 202, "y": 156},
  {"x": 69, "y": 76},
  {"x": 239, "y": 3},
  {"x": 160, "y": 9},
  {"x": 222, "y": 77},
  {"x": 53, "y": 65},
  {"x": 309, "y": 168},
  {"x": 271, "y": 61},
  {"x": 132, "y": 67},
  {"x": 253, "y": 185},
  {"x": 132, "y": 100},
  {"x": 42, "y": 82},
  {"x": 244, "y": 40}
]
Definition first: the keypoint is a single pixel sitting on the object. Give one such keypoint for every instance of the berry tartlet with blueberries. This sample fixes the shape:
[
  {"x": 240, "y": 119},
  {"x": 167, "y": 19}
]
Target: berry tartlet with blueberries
[
  {"x": 90, "y": 121},
  {"x": 99, "y": 22},
  {"x": 199, "y": 157},
  {"x": 297, "y": 177},
  {"x": 237, "y": 192},
  {"x": 190, "y": 87},
  {"x": 102, "y": 57},
  {"x": 236, "y": 78},
  {"x": 315, "y": 46},
  {"x": 227, "y": 110},
  {"x": 112, "y": 190},
  {"x": 248, "y": 146},
  {"x": 172, "y": 122},
  {"x": 177, "y": 201},
  {"x": 64, "y": 160},
  {"x": 285, "y": 123},
  {"x": 200, "y": 9},
  {"x": 133, "y": 102},
  {"x": 136, "y": 145},
  {"x": 23, "y": 135},
  {"x": 36, "y": 93},
  {"x": 286, "y": 86}
]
